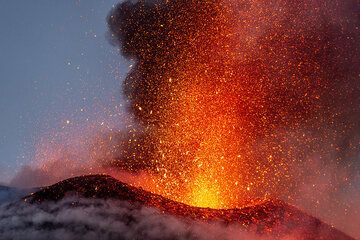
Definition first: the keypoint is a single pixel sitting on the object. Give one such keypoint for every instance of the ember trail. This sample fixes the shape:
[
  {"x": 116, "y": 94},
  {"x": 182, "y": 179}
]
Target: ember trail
[{"x": 222, "y": 90}]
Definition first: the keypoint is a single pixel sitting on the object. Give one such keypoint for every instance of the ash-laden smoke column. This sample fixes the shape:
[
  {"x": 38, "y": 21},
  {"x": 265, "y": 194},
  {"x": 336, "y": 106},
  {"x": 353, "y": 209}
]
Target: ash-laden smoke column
[{"x": 233, "y": 97}]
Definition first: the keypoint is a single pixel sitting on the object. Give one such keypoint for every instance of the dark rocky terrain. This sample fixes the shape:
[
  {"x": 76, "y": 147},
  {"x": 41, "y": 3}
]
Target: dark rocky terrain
[{"x": 273, "y": 219}]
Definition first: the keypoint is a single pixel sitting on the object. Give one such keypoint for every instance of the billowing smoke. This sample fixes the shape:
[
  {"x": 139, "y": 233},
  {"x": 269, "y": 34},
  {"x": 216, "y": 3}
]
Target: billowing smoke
[
  {"x": 285, "y": 66},
  {"x": 287, "y": 72},
  {"x": 260, "y": 93}
]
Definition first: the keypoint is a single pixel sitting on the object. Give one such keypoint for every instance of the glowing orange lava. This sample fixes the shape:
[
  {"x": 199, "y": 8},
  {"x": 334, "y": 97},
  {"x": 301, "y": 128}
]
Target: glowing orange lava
[
  {"x": 203, "y": 157},
  {"x": 225, "y": 97},
  {"x": 202, "y": 143}
]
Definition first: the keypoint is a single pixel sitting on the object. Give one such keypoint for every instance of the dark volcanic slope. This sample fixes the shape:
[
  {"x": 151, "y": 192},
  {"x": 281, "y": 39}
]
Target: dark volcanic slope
[{"x": 272, "y": 217}]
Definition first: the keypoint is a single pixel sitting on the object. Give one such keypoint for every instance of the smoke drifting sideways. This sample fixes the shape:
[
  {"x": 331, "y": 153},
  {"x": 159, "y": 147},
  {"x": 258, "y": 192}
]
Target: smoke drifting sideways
[
  {"x": 79, "y": 148},
  {"x": 242, "y": 99}
]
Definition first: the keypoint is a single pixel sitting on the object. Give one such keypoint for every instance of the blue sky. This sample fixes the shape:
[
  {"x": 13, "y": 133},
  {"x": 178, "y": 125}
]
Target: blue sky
[{"x": 55, "y": 64}]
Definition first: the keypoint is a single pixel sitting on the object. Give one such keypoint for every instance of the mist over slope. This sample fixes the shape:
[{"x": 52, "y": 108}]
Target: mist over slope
[{"x": 100, "y": 207}]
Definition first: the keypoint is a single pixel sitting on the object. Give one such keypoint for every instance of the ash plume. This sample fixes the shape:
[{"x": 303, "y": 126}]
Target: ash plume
[
  {"x": 282, "y": 77},
  {"x": 303, "y": 70}
]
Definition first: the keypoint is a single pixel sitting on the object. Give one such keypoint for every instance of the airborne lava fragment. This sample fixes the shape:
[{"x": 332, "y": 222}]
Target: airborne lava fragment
[{"x": 234, "y": 97}]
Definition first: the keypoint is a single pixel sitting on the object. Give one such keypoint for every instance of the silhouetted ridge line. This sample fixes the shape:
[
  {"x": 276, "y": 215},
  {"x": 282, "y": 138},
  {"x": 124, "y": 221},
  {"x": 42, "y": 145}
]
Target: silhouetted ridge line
[{"x": 268, "y": 217}]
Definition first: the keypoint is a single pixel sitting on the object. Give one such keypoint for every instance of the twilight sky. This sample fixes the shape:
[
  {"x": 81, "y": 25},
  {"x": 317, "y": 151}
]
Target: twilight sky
[{"x": 56, "y": 67}]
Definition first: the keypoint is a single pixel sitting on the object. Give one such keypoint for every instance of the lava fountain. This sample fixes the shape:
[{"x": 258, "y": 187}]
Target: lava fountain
[{"x": 223, "y": 89}]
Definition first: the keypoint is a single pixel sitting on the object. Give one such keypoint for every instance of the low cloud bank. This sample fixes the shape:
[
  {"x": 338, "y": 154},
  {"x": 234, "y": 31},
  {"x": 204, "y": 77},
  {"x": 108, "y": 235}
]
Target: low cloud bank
[{"x": 104, "y": 219}]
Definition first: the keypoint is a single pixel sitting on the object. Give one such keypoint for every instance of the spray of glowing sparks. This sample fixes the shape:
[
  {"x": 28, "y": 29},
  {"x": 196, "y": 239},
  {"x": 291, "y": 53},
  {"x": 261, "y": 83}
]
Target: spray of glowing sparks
[
  {"x": 231, "y": 100},
  {"x": 224, "y": 91}
]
